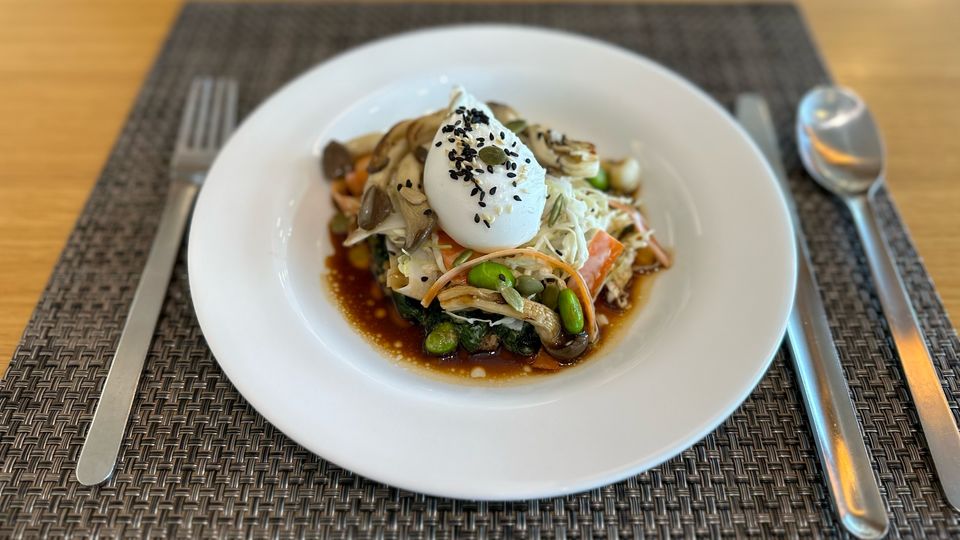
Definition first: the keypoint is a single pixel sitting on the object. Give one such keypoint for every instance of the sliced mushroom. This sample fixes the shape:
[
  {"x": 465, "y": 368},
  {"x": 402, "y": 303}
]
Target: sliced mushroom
[
  {"x": 544, "y": 320},
  {"x": 363, "y": 144},
  {"x": 347, "y": 203},
  {"x": 336, "y": 160},
  {"x": 412, "y": 203},
  {"x": 570, "y": 350},
  {"x": 389, "y": 148},
  {"x": 555, "y": 151},
  {"x": 375, "y": 206},
  {"x": 422, "y": 130},
  {"x": 503, "y": 112}
]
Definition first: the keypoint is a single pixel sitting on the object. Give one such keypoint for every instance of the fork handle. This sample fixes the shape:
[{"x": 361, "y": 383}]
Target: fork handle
[
  {"x": 102, "y": 445},
  {"x": 936, "y": 418}
]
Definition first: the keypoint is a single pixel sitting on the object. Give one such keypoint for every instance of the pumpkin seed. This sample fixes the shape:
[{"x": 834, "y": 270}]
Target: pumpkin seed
[{"x": 493, "y": 155}]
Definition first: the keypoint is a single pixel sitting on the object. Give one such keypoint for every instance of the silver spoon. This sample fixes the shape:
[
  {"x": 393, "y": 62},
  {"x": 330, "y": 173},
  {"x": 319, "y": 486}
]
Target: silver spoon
[{"x": 841, "y": 148}]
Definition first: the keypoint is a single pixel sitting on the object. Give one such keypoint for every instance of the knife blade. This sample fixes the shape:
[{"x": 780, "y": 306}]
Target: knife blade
[{"x": 826, "y": 396}]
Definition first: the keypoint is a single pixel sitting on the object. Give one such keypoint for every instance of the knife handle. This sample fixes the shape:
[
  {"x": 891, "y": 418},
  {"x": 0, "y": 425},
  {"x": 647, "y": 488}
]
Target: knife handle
[
  {"x": 826, "y": 397},
  {"x": 843, "y": 456}
]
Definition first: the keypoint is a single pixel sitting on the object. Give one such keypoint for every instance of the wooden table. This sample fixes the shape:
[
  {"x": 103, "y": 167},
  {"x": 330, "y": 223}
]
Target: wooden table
[{"x": 69, "y": 71}]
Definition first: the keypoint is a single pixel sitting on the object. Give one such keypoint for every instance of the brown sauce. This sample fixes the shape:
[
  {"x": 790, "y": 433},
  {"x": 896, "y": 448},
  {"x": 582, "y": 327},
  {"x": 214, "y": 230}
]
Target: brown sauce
[{"x": 374, "y": 315}]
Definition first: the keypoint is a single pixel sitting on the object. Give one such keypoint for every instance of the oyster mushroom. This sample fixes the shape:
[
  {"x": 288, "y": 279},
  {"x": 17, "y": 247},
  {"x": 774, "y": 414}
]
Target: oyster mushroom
[
  {"x": 503, "y": 112},
  {"x": 389, "y": 149},
  {"x": 421, "y": 130},
  {"x": 375, "y": 204},
  {"x": 545, "y": 321},
  {"x": 409, "y": 198},
  {"x": 336, "y": 160},
  {"x": 363, "y": 144},
  {"x": 555, "y": 151}
]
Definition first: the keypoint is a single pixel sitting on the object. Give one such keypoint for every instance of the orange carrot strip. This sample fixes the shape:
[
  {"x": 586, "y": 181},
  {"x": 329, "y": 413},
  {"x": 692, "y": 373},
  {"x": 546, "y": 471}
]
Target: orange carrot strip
[
  {"x": 642, "y": 229},
  {"x": 604, "y": 250},
  {"x": 583, "y": 292},
  {"x": 357, "y": 178},
  {"x": 450, "y": 249}
]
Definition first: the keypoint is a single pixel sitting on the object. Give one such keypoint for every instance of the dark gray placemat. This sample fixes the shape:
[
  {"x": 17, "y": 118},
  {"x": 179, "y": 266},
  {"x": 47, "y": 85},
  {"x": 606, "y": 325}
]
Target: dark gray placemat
[{"x": 198, "y": 461}]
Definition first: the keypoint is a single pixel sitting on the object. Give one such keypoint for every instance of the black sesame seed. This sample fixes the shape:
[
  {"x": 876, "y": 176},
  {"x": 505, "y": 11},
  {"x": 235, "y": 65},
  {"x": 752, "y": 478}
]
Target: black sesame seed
[
  {"x": 517, "y": 198},
  {"x": 439, "y": 143},
  {"x": 474, "y": 191},
  {"x": 489, "y": 168},
  {"x": 478, "y": 171},
  {"x": 514, "y": 145},
  {"x": 502, "y": 135},
  {"x": 493, "y": 190},
  {"x": 482, "y": 204},
  {"x": 399, "y": 187},
  {"x": 527, "y": 160},
  {"x": 511, "y": 175},
  {"x": 449, "y": 139},
  {"x": 453, "y": 175},
  {"x": 476, "y": 218},
  {"x": 515, "y": 185},
  {"x": 487, "y": 223},
  {"x": 427, "y": 212},
  {"x": 560, "y": 253},
  {"x": 480, "y": 144},
  {"x": 409, "y": 183},
  {"x": 424, "y": 278}
]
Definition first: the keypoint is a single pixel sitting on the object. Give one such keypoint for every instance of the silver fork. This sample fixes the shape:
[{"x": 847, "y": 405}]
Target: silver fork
[{"x": 208, "y": 119}]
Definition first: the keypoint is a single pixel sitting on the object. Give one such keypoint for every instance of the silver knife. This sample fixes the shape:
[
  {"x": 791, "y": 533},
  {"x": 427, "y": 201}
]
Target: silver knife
[{"x": 843, "y": 454}]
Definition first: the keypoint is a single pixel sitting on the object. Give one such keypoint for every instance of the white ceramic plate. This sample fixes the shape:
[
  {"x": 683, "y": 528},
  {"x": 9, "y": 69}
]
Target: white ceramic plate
[{"x": 688, "y": 359}]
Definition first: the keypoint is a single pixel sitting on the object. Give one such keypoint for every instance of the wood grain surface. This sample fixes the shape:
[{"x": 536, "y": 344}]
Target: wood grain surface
[{"x": 70, "y": 69}]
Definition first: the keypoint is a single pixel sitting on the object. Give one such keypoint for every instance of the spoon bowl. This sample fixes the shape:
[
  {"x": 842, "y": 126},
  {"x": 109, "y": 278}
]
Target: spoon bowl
[{"x": 840, "y": 144}]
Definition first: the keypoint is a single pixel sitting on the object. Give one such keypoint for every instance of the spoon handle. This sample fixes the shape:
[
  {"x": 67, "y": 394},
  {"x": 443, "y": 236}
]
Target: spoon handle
[{"x": 939, "y": 425}]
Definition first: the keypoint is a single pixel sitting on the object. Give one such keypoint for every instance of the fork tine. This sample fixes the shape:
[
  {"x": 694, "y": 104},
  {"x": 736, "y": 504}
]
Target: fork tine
[
  {"x": 230, "y": 111},
  {"x": 216, "y": 110},
  {"x": 186, "y": 122},
  {"x": 200, "y": 126}
]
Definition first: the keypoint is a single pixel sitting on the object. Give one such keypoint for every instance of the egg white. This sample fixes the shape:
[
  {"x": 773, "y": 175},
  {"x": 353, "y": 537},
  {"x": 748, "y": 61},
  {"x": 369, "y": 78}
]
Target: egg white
[{"x": 508, "y": 214}]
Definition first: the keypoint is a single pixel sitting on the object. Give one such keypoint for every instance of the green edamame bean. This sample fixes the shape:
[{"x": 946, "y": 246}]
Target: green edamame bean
[
  {"x": 443, "y": 339},
  {"x": 528, "y": 285},
  {"x": 487, "y": 275},
  {"x": 600, "y": 181},
  {"x": 571, "y": 314},
  {"x": 549, "y": 296}
]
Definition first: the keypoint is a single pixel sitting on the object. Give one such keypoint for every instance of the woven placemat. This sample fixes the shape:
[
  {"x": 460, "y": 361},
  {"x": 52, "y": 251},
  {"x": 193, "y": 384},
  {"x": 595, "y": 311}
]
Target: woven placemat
[{"x": 198, "y": 461}]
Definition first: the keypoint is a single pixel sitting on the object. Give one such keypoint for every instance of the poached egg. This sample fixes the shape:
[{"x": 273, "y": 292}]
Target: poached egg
[{"x": 483, "y": 206}]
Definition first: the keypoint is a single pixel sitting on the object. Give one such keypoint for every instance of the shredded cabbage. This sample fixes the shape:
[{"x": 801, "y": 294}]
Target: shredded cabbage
[{"x": 585, "y": 210}]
